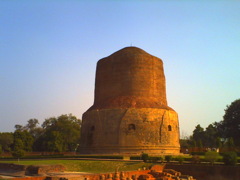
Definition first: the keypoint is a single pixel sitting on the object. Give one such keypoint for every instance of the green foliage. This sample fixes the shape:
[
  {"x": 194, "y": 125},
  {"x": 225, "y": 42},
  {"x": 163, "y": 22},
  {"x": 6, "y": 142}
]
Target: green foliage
[
  {"x": 60, "y": 134},
  {"x": 55, "y": 142},
  {"x": 18, "y": 147},
  {"x": 198, "y": 153},
  {"x": 199, "y": 143},
  {"x": 1, "y": 149},
  {"x": 198, "y": 135},
  {"x": 231, "y": 122},
  {"x": 205, "y": 138},
  {"x": 230, "y": 143},
  {"x": 144, "y": 157},
  {"x": 26, "y": 139},
  {"x": 187, "y": 143},
  {"x": 160, "y": 159},
  {"x": 57, "y": 134},
  {"x": 136, "y": 158},
  {"x": 180, "y": 159},
  {"x": 155, "y": 159},
  {"x": 6, "y": 140},
  {"x": 210, "y": 135},
  {"x": 211, "y": 156},
  {"x": 230, "y": 158},
  {"x": 219, "y": 143},
  {"x": 196, "y": 159},
  {"x": 168, "y": 158}
]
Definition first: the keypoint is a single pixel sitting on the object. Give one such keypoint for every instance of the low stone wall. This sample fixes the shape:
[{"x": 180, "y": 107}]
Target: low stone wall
[
  {"x": 22, "y": 170},
  {"x": 208, "y": 172},
  {"x": 44, "y": 169},
  {"x": 29, "y": 178},
  {"x": 14, "y": 167},
  {"x": 14, "y": 170}
]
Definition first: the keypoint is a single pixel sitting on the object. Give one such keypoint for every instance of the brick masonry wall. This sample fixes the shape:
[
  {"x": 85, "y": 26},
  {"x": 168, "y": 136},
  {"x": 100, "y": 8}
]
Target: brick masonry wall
[{"x": 208, "y": 172}]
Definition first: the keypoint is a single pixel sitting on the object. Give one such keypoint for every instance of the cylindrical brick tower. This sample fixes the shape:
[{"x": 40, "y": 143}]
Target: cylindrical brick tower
[{"x": 130, "y": 112}]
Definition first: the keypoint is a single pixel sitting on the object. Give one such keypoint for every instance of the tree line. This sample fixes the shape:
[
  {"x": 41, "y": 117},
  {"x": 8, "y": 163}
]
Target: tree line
[
  {"x": 56, "y": 134},
  {"x": 62, "y": 134},
  {"x": 221, "y": 134}
]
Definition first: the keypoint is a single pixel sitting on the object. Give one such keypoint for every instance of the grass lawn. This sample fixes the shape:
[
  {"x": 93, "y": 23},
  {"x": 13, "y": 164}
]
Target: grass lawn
[{"x": 87, "y": 165}]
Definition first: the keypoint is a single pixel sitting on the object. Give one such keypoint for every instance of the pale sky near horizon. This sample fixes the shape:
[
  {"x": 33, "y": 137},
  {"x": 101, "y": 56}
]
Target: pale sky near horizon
[{"x": 49, "y": 51}]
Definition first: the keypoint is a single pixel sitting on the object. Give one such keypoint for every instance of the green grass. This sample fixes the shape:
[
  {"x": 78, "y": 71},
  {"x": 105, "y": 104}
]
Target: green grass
[{"x": 87, "y": 165}]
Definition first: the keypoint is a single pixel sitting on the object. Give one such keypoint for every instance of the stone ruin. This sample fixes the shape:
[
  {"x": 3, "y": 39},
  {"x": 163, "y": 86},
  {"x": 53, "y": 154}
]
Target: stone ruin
[
  {"x": 156, "y": 172},
  {"x": 57, "y": 172},
  {"x": 130, "y": 114}
]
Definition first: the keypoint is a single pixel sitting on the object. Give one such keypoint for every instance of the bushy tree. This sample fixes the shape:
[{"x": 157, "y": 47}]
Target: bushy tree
[
  {"x": 26, "y": 139},
  {"x": 60, "y": 134},
  {"x": 180, "y": 159},
  {"x": 231, "y": 122},
  {"x": 206, "y": 138},
  {"x": 230, "y": 143},
  {"x": 211, "y": 136},
  {"x": 230, "y": 158},
  {"x": 211, "y": 156},
  {"x": 57, "y": 134},
  {"x": 6, "y": 141},
  {"x": 1, "y": 149},
  {"x": 18, "y": 149},
  {"x": 198, "y": 135}
]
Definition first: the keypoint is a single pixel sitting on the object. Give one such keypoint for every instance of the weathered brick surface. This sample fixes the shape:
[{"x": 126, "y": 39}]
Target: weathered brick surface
[
  {"x": 130, "y": 112},
  {"x": 130, "y": 78}
]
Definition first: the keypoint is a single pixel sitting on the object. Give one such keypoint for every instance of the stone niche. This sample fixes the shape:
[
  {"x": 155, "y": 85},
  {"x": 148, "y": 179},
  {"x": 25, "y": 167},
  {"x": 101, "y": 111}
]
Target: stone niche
[{"x": 130, "y": 114}]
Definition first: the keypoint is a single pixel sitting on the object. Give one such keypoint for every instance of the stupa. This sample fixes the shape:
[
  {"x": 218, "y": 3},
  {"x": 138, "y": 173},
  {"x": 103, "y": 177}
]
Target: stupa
[{"x": 130, "y": 114}]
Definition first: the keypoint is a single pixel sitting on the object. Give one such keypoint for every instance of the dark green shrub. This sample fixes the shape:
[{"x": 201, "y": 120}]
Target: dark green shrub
[
  {"x": 144, "y": 157},
  {"x": 156, "y": 159},
  {"x": 161, "y": 159},
  {"x": 196, "y": 159},
  {"x": 19, "y": 153},
  {"x": 1, "y": 149},
  {"x": 180, "y": 159},
  {"x": 135, "y": 157},
  {"x": 211, "y": 156},
  {"x": 230, "y": 158},
  {"x": 198, "y": 153},
  {"x": 168, "y": 158}
]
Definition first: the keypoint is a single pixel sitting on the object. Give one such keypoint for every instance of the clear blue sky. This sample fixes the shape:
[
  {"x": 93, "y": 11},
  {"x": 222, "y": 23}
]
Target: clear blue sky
[{"x": 49, "y": 50}]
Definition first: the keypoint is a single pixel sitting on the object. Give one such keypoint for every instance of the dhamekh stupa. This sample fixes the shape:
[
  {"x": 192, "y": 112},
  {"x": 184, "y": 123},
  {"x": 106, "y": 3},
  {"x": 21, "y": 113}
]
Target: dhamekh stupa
[{"x": 130, "y": 114}]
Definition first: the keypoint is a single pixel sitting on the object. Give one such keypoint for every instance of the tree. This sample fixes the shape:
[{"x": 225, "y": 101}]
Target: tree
[
  {"x": 60, "y": 134},
  {"x": 230, "y": 143},
  {"x": 33, "y": 129},
  {"x": 55, "y": 142},
  {"x": 211, "y": 136},
  {"x": 1, "y": 149},
  {"x": 231, "y": 122},
  {"x": 211, "y": 156},
  {"x": 19, "y": 127},
  {"x": 230, "y": 158},
  {"x": 18, "y": 149},
  {"x": 198, "y": 135},
  {"x": 26, "y": 139},
  {"x": 6, "y": 141}
]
